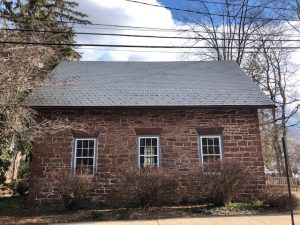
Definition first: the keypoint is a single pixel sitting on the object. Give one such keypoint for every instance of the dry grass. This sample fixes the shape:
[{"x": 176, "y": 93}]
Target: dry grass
[{"x": 12, "y": 213}]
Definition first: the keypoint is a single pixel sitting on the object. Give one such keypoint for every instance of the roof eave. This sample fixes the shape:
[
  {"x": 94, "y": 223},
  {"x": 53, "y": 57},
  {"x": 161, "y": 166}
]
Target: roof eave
[{"x": 268, "y": 106}]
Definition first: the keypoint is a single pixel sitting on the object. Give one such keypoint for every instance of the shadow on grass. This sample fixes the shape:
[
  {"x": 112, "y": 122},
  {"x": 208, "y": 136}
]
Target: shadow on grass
[
  {"x": 16, "y": 209},
  {"x": 18, "y": 205}
]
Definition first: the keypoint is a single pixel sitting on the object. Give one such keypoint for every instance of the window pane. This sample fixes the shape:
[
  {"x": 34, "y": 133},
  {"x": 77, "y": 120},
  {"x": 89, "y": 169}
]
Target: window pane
[
  {"x": 205, "y": 150},
  {"x": 154, "y": 141},
  {"x": 84, "y": 152},
  {"x": 142, "y": 150},
  {"x": 148, "y": 160},
  {"x": 150, "y": 151},
  {"x": 78, "y": 169},
  {"x": 83, "y": 169},
  {"x": 154, "y": 150},
  {"x": 79, "y": 152},
  {"x": 91, "y": 152},
  {"x": 79, "y": 144},
  {"x": 210, "y": 158},
  {"x": 142, "y": 142},
  {"x": 85, "y": 161},
  {"x": 91, "y": 143},
  {"x": 210, "y": 141},
  {"x": 217, "y": 150},
  {"x": 91, "y": 162},
  {"x": 141, "y": 160},
  {"x": 85, "y": 144},
  {"x": 211, "y": 150},
  {"x": 204, "y": 141},
  {"x": 148, "y": 142},
  {"x": 216, "y": 141},
  {"x": 205, "y": 158},
  {"x": 78, "y": 162}
]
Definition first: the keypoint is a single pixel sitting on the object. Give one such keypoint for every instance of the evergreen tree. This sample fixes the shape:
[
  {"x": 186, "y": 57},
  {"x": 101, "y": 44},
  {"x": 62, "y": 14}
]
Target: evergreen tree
[
  {"x": 46, "y": 15},
  {"x": 24, "y": 67}
]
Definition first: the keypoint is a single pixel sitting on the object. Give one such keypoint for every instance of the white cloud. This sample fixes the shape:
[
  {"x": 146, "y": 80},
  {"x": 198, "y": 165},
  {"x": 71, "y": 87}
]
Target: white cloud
[
  {"x": 295, "y": 58},
  {"x": 121, "y": 12}
]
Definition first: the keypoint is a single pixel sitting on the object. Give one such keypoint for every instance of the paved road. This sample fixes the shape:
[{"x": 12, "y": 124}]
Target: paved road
[{"x": 229, "y": 220}]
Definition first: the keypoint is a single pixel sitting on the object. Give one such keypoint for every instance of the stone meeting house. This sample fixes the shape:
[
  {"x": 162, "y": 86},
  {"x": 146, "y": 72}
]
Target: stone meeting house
[{"x": 166, "y": 114}]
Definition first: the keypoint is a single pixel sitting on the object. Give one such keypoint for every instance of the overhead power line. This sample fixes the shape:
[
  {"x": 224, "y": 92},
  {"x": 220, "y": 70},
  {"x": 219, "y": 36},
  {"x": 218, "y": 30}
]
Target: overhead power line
[
  {"x": 137, "y": 28},
  {"x": 113, "y": 26},
  {"x": 183, "y": 30},
  {"x": 133, "y": 46},
  {"x": 141, "y": 28},
  {"x": 235, "y": 4},
  {"x": 166, "y": 7},
  {"x": 145, "y": 36},
  {"x": 210, "y": 13},
  {"x": 148, "y": 51}
]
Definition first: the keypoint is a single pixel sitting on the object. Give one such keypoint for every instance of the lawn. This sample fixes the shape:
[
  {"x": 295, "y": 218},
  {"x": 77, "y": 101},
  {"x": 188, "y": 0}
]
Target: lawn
[{"x": 14, "y": 211}]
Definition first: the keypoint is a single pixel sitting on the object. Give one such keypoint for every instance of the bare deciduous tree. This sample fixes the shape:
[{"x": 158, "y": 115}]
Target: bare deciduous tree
[
  {"x": 22, "y": 69},
  {"x": 230, "y": 28},
  {"x": 253, "y": 36},
  {"x": 272, "y": 70}
]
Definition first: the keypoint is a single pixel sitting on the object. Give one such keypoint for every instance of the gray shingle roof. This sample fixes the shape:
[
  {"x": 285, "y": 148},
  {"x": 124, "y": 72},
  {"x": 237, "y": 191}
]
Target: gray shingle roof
[{"x": 210, "y": 83}]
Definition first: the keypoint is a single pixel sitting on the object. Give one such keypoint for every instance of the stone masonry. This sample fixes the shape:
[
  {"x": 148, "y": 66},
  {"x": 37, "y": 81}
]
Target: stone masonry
[{"x": 116, "y": 128}]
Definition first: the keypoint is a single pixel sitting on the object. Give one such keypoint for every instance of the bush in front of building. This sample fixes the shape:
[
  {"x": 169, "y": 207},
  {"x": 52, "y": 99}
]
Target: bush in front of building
[
  {"x": 70, "y": 189},
  {"x": 220, "y": 181},
  {"x": 278, "y": 199},
  {"x": 146, "y": 187}
]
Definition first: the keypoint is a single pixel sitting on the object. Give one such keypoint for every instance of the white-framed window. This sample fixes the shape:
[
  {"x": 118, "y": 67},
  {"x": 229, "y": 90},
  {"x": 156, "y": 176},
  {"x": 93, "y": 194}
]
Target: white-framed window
[
  {"x": 148, "y": 151},
  {"x": 211, "y": 147},
  {"x": 84, "y": 155}
]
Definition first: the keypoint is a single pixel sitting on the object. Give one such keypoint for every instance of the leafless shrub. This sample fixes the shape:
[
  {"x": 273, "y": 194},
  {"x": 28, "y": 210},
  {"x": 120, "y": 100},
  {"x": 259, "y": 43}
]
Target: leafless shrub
[
  {"x": 220, "y": 181},
  {"x": 69, "y": 188},
  {"x": 146, "y": 186},
  {"x": 278, "y": 199}
]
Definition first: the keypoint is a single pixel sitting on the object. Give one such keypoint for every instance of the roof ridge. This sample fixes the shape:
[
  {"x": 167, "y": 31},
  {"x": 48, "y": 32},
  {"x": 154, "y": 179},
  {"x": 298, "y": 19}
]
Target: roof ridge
[{"x": 182, "y": 61}]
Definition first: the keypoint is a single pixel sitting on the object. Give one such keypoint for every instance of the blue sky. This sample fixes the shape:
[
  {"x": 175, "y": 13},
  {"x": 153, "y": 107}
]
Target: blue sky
[
  {"x": 121, "y": 12},
  {"x": 185, "y": 4}
]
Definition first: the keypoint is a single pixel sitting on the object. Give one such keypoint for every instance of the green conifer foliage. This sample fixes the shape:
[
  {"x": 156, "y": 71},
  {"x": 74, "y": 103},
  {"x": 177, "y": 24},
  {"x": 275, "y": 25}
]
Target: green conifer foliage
[{"x": 47, "y": 15}]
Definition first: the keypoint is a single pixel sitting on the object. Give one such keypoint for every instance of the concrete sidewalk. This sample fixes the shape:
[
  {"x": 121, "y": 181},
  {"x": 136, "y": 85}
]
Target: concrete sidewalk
[{"x": 222, "y": 220}]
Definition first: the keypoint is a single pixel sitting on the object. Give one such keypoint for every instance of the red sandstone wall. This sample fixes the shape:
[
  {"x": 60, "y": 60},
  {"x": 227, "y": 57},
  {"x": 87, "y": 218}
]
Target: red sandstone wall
[{"x": 117, "y": 144}]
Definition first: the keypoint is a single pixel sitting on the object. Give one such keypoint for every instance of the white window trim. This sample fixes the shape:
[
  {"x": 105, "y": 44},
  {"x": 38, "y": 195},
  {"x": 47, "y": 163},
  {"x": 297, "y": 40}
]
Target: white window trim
[
  {"x": 158, "y": 149},
  {"x": 75, "y": 153},
  {"x": 211, "y": 136}
]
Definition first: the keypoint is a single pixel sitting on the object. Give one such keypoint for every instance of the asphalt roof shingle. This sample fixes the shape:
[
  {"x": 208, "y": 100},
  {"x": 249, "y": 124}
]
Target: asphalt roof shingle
[{"x": 210, "y": 83}]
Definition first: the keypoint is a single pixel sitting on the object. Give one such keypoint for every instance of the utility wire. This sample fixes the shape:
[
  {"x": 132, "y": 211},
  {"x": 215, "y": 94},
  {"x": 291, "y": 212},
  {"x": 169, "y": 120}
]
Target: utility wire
[
  {"x": 133, "y": 46},
  {"x": 140, "y": 36},
  {"x": 235, "y": 4},
  {"x": 130, "y": 50},
  {"x": 141, "y": 28},
  {"x": 171, "y": 8},
  {"x": 209, "y": 13},
  {"x": 186, "y": 30},
  {"x": 175, "y": 30},
  {"x": 112, "y": 26}
]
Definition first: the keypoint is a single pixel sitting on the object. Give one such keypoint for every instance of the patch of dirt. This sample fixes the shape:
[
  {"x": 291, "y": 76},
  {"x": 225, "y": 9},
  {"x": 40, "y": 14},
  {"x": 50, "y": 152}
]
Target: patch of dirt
[{"x": 50, "y": 215}]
